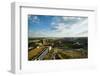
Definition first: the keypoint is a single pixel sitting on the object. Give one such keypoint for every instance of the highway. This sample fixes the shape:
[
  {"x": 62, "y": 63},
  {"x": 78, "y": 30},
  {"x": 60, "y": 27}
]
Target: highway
[{"x": 42, "y": 54}]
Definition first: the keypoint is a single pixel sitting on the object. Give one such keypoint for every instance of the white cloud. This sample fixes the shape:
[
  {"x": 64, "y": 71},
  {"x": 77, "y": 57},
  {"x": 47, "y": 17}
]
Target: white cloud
[
  {"x": 41, "y": 33},
  {"x": 71, "y": 30},
  {"x": 69, "y": 18},
  {"x": 53, "y": 23},
  {"x": 65, "y": 18},
  {"x": 79, "y": 28},
  {"x": 35, "y": 19}
]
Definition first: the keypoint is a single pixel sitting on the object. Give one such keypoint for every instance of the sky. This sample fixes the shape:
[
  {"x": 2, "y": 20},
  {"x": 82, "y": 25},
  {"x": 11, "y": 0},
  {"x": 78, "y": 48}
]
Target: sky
[{"x": 57, "y": 26}]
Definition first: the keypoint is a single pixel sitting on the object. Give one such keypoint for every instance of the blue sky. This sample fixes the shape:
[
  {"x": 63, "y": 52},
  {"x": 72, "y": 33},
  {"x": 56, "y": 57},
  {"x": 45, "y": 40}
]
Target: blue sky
[{"x": 57, "y": 26}]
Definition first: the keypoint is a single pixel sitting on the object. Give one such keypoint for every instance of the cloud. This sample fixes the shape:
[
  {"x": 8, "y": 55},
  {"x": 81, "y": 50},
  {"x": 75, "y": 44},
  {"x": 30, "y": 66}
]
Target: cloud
[
  {"x": 34, "y": 19},
  {"x": 65, "y": 18},
  {"x": 62, "y": 27},
  {"x": 80, "y": 27},
  {"x": 40, "y": 33},
  {"x": 70, "y": 27}
]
